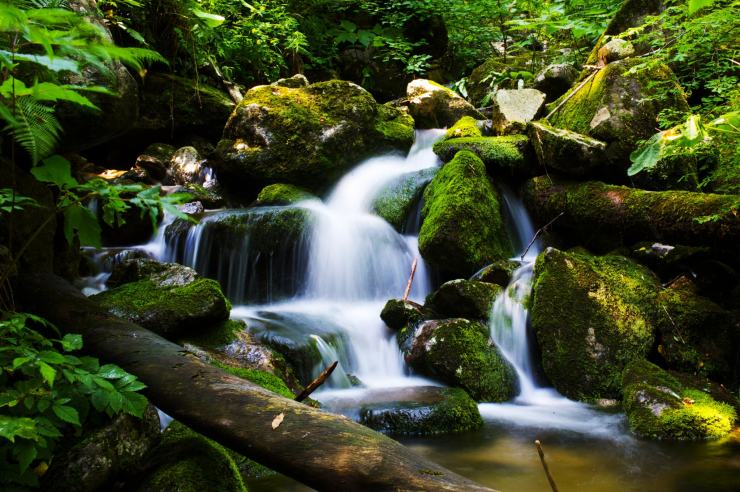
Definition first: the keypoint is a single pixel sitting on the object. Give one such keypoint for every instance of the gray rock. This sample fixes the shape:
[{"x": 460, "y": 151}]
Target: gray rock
[
  {"x": 555, "y": 80},
  {"x": 513, "y": 109},
  {"x": 616, "y": 49},
  {"x": 569, "y": 152},
  {"x": 185, "y": 166}
]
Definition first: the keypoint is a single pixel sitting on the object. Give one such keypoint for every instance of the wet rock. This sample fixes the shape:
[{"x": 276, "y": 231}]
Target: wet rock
[
  {"x": 397, "y": 200},
  {"x": 460, "y": 298},
  {"x": 555, "y": 80},
  {"x": 513, "y": 109},
  {"x": 153, "y": 163},
  {"x": 460, "y": 353},
  {"x": 103, "y": 454},
  {"x": 592, "y": 315},
  {"x": 167, "y": 298},
  {"x": 462, "y": 228},
  {"x": 509, "y": 156},
  {"x": 435, "y": 106},
  {"x": 568, "y": 152},
  {"x": 398, "y": 313},
  {"x": 210, "y": 196},
  {"x": 185, "y": 166},
  {"x": 498, "y": 273},
  {"x": 466, "y": 127},
  {"x": 306, "y": 136},
  {"x": 282, "y": 194},
  {"x": 192, "y": 209},
  {"x": 658, "y": 406}
]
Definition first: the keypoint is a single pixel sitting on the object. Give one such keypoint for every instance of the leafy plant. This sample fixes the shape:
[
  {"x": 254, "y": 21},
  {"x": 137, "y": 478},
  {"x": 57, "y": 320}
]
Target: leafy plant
[{"x": 47, "y": 392}]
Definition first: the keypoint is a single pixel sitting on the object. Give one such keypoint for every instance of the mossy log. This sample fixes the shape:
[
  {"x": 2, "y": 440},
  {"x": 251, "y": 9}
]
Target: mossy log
[
  {"x": 616, "y": 215},
  {"x": 325, "y": 451}
]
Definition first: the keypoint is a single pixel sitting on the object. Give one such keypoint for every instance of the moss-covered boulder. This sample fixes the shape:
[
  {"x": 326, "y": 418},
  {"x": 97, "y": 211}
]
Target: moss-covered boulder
[
  {"x": 658, "y": 406},
  {"x": 509, "y": 156},
  {"x": 398, "y": 313},
  {"x": 396, "y": 201},
  {"x": 493, "y": 73},
  {"x": 555, "y": 80},
  {"x": 592, "y": 315},
  {"x": 435, "y": 106},
  {"x": 185, "y": 461},
  {"x": 460, "y": 353},
  {"x": 418, "y": 411},
  {"x": 569, "y": 153},
  {"x": 167, "y": 298},
  {"x": 307, "y": 136},
  {"x": 466, "y": 127},
  {"x": 513, "y": 109},
  {"x": 620, "y": 107},
  {"x": 462, "y": 228},
  {"x": 282, "y": 194},
  {"x": 498, "y": 272},
  {"x": 460, "y": 298}
]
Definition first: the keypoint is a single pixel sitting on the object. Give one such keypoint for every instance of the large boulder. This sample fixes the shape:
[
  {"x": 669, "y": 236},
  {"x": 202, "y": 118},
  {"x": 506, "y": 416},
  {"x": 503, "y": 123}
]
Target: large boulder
[
  {"x": 398, "y": 313},
  {"x": 396, "y": 201},
  {"x": 620, "y": 107},
  {"x": 592, "y": 315},
  {"x": 463, "y": 227},
  {"x": 658, "y": 406},
  {"x": 555, "y": 80},
  {"x": 460, "y": 298},
  {"x": 508, "y": 156},
  {"x": 460, "y": 353},
  {"x": 167, "y": 298},
  {"x": 513, "y": 109},
  {"x": 435, "y": 106},
  {"x": 569, "y": 153},
  {"x": 307, "y": 136}
]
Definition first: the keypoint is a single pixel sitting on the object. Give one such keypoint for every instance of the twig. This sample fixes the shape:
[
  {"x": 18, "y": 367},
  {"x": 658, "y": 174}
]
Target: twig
[
  {"x": 538, "y": 445},
  {"x": 411, "y": 280},
  {"x": 541, "y": 229},
  {"x": 575, "y": 91},
  {"x": 317, "y": 382}
]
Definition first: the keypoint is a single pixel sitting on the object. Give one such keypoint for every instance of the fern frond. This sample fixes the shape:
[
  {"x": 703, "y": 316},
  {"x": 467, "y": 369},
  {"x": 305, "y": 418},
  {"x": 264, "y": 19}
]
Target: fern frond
[
  {"x": 36, "y": 129},
  {"x": 133, "y": 57}
]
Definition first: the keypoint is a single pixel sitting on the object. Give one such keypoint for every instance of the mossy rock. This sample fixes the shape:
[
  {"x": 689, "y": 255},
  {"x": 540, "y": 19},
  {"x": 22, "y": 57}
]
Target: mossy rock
[
  {"x": 658, "y": 406},
  {"x": 463, "y": 227},
  {"x": 569, "y": 153},
  {"x": 498, "y": 272},
  {"x": 466, "y": 127},
  {"x": 306, "y": 136},
  {"x": 460, "y": 298},
  {"x": 460, "y": 353},
  {"x": 397, "y": 200},
  {"x": 186, "y": 461},
  {"x": 509, "y": 156},
  {"x": 420, "y": 411},
  {"x": 620, "y": 107},
  {"x": 592, "y": 315},
  {"x": 264, "y": 379},
  {"x": 282, "y": 194},
  {"x": 172, "y": 301},
  {"x": 479, "y": 80},
  {"x": 435, "y": 106},
  {"x": 398, "y": 313}
]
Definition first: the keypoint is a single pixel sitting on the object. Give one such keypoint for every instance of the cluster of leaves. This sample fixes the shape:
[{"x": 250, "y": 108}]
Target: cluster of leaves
[{"x": 47, "y": 392}]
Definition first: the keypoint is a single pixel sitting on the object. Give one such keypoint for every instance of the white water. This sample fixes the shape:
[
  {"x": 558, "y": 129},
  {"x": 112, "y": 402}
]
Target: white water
[{"x": 535, "y": 406}]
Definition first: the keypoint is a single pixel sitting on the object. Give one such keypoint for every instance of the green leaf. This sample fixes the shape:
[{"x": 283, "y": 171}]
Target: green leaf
[
  {"x": 209, "y": 19},
  {"x": 81, "y": 220},
  {"x": 53, "y": 63},
  {"x": 51, "y": 357},
  {"x": 26, "y": 453},
  {"x": 647, "y": 156},
  {"x": 134, "y": 403},
  {"x": 71, "y": 342},
  {"x": 12, "y": 427},
  {"x": 48, "y": 373},
  {"x": 111, "y": 371},
  {"x": 55, "y": 170},
  {"x": 19, "y": 361},
  {"x": 696, "y": 5},
  {"x": 67, "y": 414}
]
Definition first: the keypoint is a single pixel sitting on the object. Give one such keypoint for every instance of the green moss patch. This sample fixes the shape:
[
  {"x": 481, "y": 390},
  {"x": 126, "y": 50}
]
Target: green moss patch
[{"x": 504, "y": 156}]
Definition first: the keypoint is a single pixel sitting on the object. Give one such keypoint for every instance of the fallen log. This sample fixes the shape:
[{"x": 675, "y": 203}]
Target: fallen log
[
  {"x": 609, "y": 215},
  {"x": 322, "y": 450}
]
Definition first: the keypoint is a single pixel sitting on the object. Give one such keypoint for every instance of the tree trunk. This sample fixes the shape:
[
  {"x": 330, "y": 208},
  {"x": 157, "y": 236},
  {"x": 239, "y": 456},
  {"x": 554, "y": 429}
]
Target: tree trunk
[
  {"x": 323, "y": 450},
  {"x": 604, "y": 215}
]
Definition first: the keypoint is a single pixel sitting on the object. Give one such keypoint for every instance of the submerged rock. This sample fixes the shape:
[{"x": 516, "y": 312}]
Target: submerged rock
[
  {"x": 509, "y": 156},
  {"x": 462, "y": 228},
  {"x": 460, "y": 298},
  {"x": 307, "y": 136},
  {"x": 460, "y": 353},
  {"x": 513, "y": 109},
  {"x": 398, "y": 313},
  {"x": 658, "y": 406},
  {"x": 592, "y": 315},
  {"x": 167, "y": 298},
  {"x": 435, "y": 106},
  {"x": 397, "y": 200}
]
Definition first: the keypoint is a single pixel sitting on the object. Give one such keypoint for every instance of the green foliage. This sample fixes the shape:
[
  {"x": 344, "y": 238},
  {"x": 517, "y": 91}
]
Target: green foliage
[{"x": 47, "y": 392}]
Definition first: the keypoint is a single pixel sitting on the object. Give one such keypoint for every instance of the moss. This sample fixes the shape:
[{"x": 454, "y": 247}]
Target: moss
[
  {"x": 218, "y": 336},
  {"x": 168, "y": 309},
  {"x": 186, "y": 461},
  {"x": 592, "y": 315},
  {"x": 460, "y": 298},
  {"x": 508, "y": 156},
  {"x": 466, "y": 127},
  {"x": 398, "y": 313},
  {"x": 459, "y": 353},
  {"x": 307, "y": 136},
  {"x": 397, "y": 200},
  {"x": 282, "y": 194},
  {"x": 660, "y": 407},
  {"x": 265, "y": 379},
  {"x": 462, "y": 227}
]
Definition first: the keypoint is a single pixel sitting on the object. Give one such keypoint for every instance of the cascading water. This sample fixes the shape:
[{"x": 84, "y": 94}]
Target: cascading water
[{"x": 534, "y": 406}]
